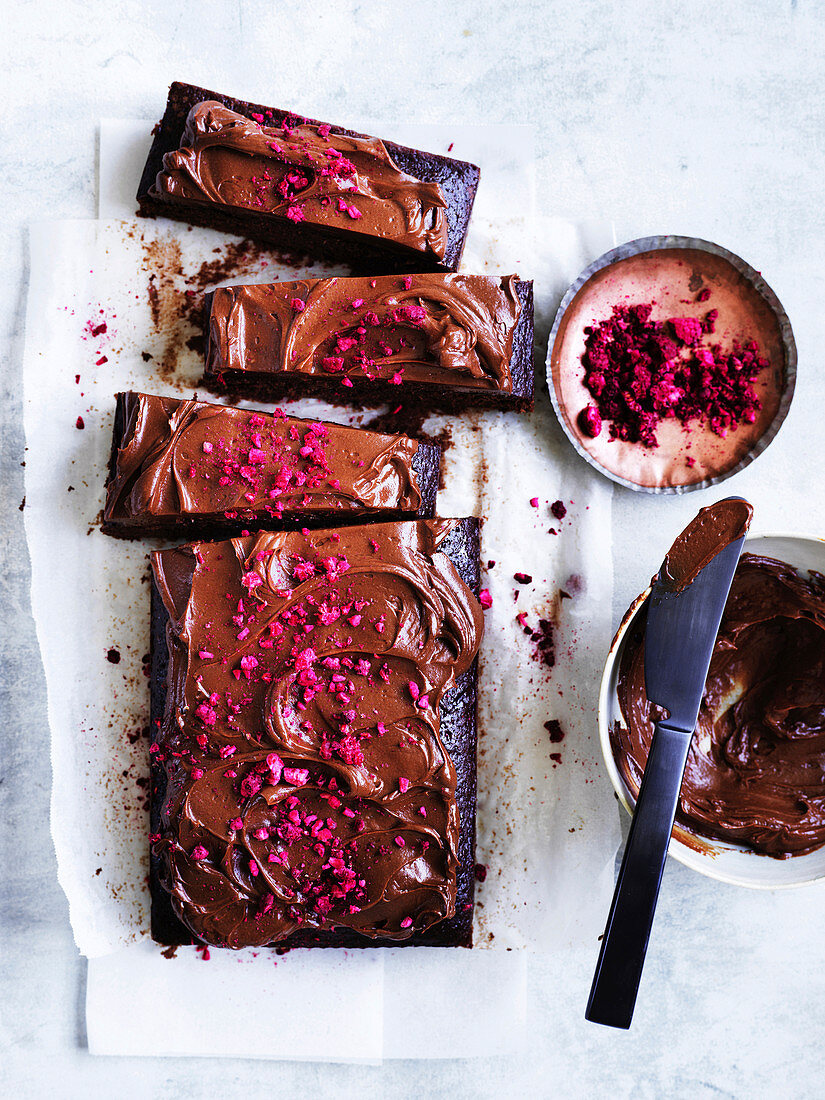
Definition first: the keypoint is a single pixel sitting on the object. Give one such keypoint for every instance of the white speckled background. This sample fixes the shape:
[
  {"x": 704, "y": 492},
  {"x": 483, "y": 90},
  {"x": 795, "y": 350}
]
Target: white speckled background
[{"x": 698, "y": 118}]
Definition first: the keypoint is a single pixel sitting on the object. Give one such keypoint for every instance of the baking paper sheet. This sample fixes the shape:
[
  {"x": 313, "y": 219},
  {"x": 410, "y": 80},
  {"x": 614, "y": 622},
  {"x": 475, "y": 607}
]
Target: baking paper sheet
[{"x": 547, "y": 826}]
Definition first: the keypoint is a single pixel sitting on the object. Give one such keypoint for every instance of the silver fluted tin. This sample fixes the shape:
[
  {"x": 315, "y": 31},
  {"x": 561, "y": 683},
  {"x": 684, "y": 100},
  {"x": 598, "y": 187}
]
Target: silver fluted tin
[{"x": 652, "y": 244}]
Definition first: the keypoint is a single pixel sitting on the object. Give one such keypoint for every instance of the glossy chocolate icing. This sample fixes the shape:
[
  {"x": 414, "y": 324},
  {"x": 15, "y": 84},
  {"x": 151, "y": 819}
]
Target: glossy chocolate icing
[
  {"x": 191, "y": 458},
  {"x": 714, "y": 528},
  {"x": 756, "y": 769},
  {"x": 305, "y": 173},
  {"x": 307, "y": 783},
  {"x": 452, "y": 330}
]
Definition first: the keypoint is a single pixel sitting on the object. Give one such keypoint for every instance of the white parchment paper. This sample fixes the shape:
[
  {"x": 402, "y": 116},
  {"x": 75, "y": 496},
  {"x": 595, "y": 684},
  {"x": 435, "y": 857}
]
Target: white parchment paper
[{"x": 547, "y": 824}]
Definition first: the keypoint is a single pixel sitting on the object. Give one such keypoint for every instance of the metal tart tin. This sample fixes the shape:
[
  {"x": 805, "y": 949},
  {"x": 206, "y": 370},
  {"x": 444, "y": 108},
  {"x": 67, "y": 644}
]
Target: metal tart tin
[
  {"x": 723, "y": 860},
  {"x": 748, "y": 309}
]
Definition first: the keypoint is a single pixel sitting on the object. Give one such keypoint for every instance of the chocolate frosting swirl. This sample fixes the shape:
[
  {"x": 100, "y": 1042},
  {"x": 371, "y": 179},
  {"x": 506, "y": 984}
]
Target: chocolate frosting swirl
[
  {"x": 756, "y": 769},
  {"x": 450, "y": 329},
  {"x": 193, "y": 458},
  {"x": 306, "y": 173},
  {"x": 707, "y": 534},
  {"x": 307, "y": 782}
]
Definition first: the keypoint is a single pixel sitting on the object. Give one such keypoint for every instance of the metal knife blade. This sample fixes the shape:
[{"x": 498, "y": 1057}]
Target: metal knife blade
[
  {"x": 680, "y": 636},
  {"x": 686, "y": 606}
]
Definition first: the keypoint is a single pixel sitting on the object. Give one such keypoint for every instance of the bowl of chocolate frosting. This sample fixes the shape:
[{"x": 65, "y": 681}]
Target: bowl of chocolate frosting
[{"x": 752, "y": 804}]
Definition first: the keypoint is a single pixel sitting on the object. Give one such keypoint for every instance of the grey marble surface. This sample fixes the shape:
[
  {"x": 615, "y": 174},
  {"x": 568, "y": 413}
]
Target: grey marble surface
[{"x": 700, "y": 118}]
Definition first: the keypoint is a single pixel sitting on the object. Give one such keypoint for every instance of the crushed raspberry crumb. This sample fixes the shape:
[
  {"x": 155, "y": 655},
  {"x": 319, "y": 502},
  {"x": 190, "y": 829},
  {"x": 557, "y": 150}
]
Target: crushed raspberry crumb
[
  {"x": 590, "y": 421},
  {"x": 543, "y": 639},
  {"x": 251, "y": 580},
  {"x": 250, "y": 785},
  {"x": 553, "y": 727},
  {"x": 558, "y": 509},
  {"x": 523, "y": 578},
  {"x": 79, "y": 423},
  {"x": 208, "y": 715},
  {"x": 641, "y": 372},
  {"x": 298, "y": 777},
  {"x": 485, "y": 599}
]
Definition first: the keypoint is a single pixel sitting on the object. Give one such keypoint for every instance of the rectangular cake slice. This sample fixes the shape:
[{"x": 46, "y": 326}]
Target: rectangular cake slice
[
  {"x": 314, "y": 753},
  {"x": 306, "y": 186},
  {"x": 441, "y": 341},
  {"x": 183, "y": 466}
]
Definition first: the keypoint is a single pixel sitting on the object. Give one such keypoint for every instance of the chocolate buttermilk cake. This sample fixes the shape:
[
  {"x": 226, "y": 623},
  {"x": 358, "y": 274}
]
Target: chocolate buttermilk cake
[
  {"x": 306, "y": 186},
  {"x": 445, "y": 341},
  {"x": 314, "y": 767},
  {"x": 180, "y": 466}
]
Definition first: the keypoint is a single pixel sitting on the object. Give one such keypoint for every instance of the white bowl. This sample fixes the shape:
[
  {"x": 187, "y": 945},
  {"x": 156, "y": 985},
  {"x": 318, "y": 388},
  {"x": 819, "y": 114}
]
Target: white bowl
[{"x": 719, "y": 859}]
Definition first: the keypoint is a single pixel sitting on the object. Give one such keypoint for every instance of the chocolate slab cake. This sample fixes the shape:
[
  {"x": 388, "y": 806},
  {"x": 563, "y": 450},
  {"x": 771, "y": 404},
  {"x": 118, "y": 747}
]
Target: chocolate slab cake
[
  {"x": 314, "y": 760},
  {"x": 440, "y": 341},
  {"x": 306, "y": 186},
  {"x": 183, "y": 466}
]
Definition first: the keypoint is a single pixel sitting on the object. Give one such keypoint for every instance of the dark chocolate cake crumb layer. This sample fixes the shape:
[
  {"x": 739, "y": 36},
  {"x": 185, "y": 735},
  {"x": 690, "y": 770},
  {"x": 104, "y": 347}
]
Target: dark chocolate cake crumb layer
[
  {"x": 179, "y": 466},
  {"x": 306, "y": 186},
  {"x": 314, "y": 763},
  {"x": 446, "y": 341}
]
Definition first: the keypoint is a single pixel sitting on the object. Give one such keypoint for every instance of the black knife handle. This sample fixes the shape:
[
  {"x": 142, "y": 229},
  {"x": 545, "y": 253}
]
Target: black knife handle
[{"x": 622, "y": 956}]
